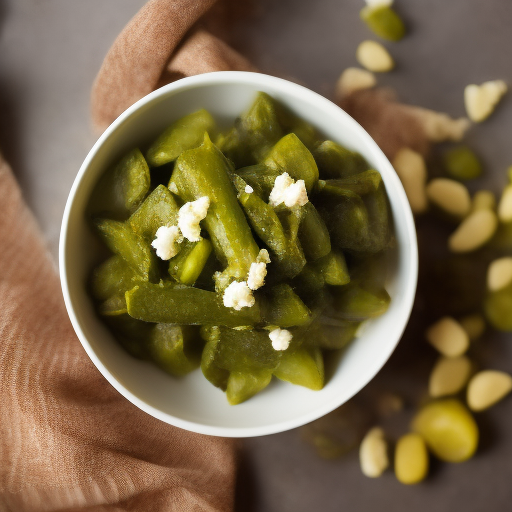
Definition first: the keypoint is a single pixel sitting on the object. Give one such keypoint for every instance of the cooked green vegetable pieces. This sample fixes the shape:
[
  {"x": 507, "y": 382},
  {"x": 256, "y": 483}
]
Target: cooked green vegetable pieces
[
  {"x": 113, "y": 306},
  {"x": 293, "y": 260},
  {"x": 255, "y": 132},
  {"x": 349, "y": 223},
  {"x": 244, "y": 385},
  {"x": 383, "y": 21},
  {"x": 112, "y": 277},
  {"x": 170, "y": 304},
  {"x": 360, "y": 223},
  {"x": 122, "y": 188},
  {"x": 294, "y": 124},
  {"x": 284, "y": 307},
  {"x": 204, "y": 171},
  {"x": 242, "y": 349},
  {"x": 309, "y": 301},
  {"x": 216, "y": 375},
  {"x": 187, "y": 265},
  {"x": 132, "y": 334},
  {"x": 337, "y": 334},
  {"x": 313, "y": 234},
  {"x": 303, "y": 367},
  {"x": 290, "y": 155},
  {"x": 123, "y": 241},
  {"x": 158, "y": 209},
  {"x": 362, "y": 183},
  {"x": 259, "y": 177},
  {"x": 355, "y": 303},
  {"x": 334, "y": 161},
  {"x": 171, "y": 347},
  {"x": 333, "y": 268},
  {"x": 278, "y": 232},
  {"x": 309, "y": 282},
  {"x": 185, "y": 133},
  {"x": 378, "y": 210}
]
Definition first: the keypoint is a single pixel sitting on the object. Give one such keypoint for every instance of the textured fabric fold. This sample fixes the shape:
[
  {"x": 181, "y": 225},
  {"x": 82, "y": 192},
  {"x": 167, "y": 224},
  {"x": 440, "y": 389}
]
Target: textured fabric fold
[
  {"x": 159, "y": 45},
  {"x": 68, "y": 440}
]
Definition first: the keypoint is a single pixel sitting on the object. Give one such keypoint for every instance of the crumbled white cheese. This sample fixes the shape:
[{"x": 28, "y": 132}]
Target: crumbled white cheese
[
  {"x": 258, "y": 270},
  {"x": 238, "y": 295},
  {"x": 248, "y": 189},
  {"x": 263, "y": 256},
  {"x": 280, "y": 338},
  {"x": 173, "y": 187},
  {"x": 287, "y": 191},
  {"x": 189, "y": 217},
  {"x": 166, "y": 241}
]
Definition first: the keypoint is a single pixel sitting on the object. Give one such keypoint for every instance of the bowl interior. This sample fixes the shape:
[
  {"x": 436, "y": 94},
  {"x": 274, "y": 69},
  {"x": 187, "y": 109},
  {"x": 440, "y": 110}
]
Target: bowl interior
[{"x": 192, "y": 402}]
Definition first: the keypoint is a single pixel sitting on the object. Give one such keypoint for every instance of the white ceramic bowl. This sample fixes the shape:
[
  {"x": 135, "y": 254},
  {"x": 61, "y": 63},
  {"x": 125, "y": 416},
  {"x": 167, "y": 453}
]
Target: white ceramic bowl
[{"x": 192, "y": 402}]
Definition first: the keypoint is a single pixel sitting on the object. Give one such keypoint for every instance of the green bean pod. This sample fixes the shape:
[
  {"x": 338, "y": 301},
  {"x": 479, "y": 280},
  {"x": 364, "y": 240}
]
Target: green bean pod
[
  {"x": 169, "y": 304},
  {"x": 204, "y": 171},
  {"x": 186, "y": 133}
]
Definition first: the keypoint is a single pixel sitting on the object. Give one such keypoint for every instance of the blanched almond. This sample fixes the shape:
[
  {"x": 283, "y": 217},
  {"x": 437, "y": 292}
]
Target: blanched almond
[
  {"x": 412, "y": 171},
  {"x": 449, "y": 376},
  {"x": 474, "y": 231},
  {"x": 449, "y": 195},
  {"x": 499, "y": 274},
  {"x": 481, "y": 100},
  {"x": 505, "y": 206},
  {"x": 373, "y": 453},
  {"x": 448, "y": 337},
  {"x": 488, "y": 387},
  {"x": 439, "y": 127},
  {"x": 354, "y": 79},
  {"x": 374, "y": 57}
]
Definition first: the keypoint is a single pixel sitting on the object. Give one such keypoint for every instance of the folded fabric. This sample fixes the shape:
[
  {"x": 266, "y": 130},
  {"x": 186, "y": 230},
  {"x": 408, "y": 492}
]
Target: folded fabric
[{"x": 160, "y": 44}]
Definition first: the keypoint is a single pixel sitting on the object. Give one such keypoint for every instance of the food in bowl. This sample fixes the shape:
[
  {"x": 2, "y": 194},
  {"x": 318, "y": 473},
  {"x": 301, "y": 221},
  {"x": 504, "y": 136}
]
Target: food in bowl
[{"x": 250, "y": 253}]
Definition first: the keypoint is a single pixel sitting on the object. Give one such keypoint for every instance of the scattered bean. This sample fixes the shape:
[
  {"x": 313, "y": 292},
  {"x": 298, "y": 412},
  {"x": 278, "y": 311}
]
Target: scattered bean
[
  {"x": 450, "y": 196},
  {"x": 476, "y": 230},
  {"x": 486, "y": 388},
  {"x": 374, "y": 57},
  {"x": 448, "y": 337}
]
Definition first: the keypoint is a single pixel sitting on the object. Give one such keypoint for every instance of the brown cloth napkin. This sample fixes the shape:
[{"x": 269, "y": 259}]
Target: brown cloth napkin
[{"x": 68, "y": 440}]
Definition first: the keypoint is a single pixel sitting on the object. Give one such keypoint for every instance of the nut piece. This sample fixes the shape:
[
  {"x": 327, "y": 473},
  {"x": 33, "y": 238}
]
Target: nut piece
[
  {"x": 474, "y": 325},
  {"x": 475, "y": 230},
  {"x": 499, "y": 274},
  {"x": 505, "y": 206},
  {"x": 354, "y": 79},
  {"x": 449, "y": 195},
  {"x": 488, "y": 387},
  {"x": 411, "y": 459},
  {"x": 440, "y": 127},
  {"x": 374, "y": 57},
  {"x": 483, "y": 200},
  {"x": 480, "y": 100},
  {"x": 412, "y": 171},
  {"x": 448, "y": 337},
  {"x": 373, "y": 455},
  {"x": 449, "y": 376}
]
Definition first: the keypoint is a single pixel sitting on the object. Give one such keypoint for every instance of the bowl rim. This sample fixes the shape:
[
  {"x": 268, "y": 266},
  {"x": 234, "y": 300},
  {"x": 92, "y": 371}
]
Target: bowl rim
[{"x": 217, "y": 78}]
